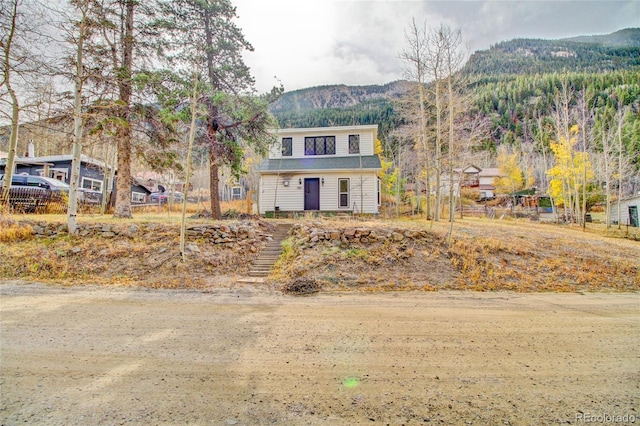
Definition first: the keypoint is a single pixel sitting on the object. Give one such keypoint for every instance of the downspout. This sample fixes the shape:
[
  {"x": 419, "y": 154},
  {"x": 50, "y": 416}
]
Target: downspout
[
  {"x": 361, "y": 180},
  {"x": 275, "y": 193}
]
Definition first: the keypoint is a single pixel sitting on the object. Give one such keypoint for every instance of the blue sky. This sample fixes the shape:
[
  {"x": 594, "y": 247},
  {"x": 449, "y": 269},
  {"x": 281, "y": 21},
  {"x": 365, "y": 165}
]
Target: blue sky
[{"x": 316, "y": 42}]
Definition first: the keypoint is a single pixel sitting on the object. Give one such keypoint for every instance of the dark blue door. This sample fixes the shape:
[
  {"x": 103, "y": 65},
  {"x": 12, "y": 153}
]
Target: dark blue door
[{"x": 312, "y": 194}]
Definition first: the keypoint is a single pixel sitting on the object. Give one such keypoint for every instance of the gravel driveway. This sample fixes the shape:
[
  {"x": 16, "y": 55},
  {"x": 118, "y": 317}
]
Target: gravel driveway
[{"x": 94, "y": 355}]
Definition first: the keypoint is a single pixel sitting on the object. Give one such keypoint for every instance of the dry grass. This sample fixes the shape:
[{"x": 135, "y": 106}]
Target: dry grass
[
  {"x": 485, "y": 255},
  {"x": 12, "y": 231},
  {"x": 148, "y": 214}
]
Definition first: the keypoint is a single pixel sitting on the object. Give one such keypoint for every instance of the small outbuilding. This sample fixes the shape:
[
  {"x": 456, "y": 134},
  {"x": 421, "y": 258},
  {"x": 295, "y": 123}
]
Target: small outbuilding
[{"x": 628, "y": 211}]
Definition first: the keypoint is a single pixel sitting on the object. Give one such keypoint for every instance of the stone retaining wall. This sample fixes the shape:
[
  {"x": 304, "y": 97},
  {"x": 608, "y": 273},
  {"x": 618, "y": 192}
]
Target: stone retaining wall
[
  {"x": 251, "y": 233},
  {"x": 310, "y": 234},
  {"x": 246, "y": 233}
]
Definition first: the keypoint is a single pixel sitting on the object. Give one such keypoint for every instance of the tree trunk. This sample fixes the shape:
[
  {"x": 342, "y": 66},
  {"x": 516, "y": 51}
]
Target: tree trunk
[
  {"x": 13, "y": 143},
  {"x": 452, "y": 204},
  {"x": 123, "y": 187},
  {"x": 607, "y": 191},
  {"x": 192, "y": 135},
  {"x": 620, "y": 120},
  {"x": 436, "y": 157},
  {"x": 72, "y": 208},
  {"x": 15, "y": 107},
  {"x": 214, "y": 183},
  {"x": 423, "y": 136}
]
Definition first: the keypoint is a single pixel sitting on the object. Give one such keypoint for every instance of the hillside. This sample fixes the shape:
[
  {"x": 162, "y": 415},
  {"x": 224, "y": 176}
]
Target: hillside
[
  {"x": 629, "y": 37},
  {"x": 376, "y": 255},
  {"x": 593, "y": 54},
  {"x": 341, "y": 105},
  {"x": 512, "y": 84}
]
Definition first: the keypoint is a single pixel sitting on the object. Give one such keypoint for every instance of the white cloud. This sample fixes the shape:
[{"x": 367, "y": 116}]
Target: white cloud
[{"x": 315, "y": 42}]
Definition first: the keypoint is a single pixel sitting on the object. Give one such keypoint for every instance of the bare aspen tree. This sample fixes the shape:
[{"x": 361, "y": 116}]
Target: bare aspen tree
[
  {"x": 415, "y": 56},
  {"x": 23, "y": 63},
  {"x": 562, "y": 118},
  {"x": 606, "y": 137},
  {"x": 78, "y": 39},
  {"x": 583, "y": 104},
  {"x": 620, "y": 121},
  {"x": 10, "y": 12},
  {"x": 436, "y": 60},
  {"x": 453, "y": 60},
  {"x": 193, "y": 105}
]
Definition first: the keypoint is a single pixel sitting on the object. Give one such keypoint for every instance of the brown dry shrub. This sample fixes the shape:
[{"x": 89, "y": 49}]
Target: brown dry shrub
[
  {"x": 11, "y": 231},
  {"x": 301, "y": 286}
]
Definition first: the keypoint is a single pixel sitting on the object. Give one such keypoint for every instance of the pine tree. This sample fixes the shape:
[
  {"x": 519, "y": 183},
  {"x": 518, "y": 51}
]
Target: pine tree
[{"x": 201, "y": 34}]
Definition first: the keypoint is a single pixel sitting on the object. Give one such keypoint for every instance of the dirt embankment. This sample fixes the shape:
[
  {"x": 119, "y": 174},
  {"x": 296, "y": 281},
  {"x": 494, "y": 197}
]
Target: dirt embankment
[{"x": 339, "y": 256}]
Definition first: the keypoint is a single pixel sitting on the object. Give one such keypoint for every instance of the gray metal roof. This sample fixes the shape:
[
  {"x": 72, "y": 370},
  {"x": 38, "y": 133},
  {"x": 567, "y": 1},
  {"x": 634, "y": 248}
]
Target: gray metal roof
[
  {"x": 369, "y": 162},
  {"x": 53, "y": 159}
]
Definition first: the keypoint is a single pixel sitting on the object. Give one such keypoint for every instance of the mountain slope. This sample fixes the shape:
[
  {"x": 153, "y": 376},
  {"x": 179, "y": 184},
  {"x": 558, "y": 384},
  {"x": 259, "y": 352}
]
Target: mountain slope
[
  {"x": 616, "y": 51},
  {"x": 512, "y": 85},
  {"x": 341, "y": 105},
  {"x": 629, "y": 37}
]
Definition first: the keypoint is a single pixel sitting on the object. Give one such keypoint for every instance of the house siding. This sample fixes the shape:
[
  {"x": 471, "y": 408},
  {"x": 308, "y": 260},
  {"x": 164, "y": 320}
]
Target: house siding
[
  {"x": 274, "y": 193},
  {"x": 623, "y": 205},
  {"x": 367, "y": 142},
  {"x": 282, "y": 183}
]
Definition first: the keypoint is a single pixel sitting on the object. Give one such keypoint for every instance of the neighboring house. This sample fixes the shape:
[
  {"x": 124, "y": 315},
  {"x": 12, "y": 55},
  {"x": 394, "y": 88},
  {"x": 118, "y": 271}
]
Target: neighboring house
[
  {"x": 484, "y": 180},
  {"x": 59, "y": 167},
  {"x": 329, "y": 169},
  {"x": 629, "y": 211},
  {"x": 139, "y": 192},
  {"x": 487, "y": 182}
]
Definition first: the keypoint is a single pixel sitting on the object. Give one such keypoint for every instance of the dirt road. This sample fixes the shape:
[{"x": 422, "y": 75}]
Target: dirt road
[{"x": 91, "y": 355}]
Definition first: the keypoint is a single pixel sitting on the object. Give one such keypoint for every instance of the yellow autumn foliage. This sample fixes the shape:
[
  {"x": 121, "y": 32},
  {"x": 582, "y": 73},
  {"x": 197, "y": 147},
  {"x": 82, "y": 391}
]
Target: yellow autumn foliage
[{"x": 569, "y": 172}]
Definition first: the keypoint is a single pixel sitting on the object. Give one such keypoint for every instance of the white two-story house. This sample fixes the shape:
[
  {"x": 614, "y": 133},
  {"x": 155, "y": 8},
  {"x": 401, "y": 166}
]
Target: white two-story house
[{"x": 327, "y": 169}]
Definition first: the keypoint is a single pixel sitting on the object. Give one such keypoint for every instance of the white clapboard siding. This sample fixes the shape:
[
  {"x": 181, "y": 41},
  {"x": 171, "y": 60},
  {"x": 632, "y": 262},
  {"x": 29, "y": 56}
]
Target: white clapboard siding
[
  {"x": 274, "y": 193},
  {"x": 623, "y": 205},
  {"x": 367, "y": 134}
]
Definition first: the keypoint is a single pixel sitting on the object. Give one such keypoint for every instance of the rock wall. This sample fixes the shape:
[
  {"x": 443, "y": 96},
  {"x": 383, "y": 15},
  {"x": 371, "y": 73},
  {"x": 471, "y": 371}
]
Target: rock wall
[
  {"x": 312, "y": 233},
  {"x": 250, "y": 233}
]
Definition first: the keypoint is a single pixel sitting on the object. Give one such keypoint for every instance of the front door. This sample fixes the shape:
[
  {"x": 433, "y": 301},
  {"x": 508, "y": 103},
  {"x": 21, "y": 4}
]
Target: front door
[
  {"x": 312, "y": 194},
  {"x": 633, "y": 216}
]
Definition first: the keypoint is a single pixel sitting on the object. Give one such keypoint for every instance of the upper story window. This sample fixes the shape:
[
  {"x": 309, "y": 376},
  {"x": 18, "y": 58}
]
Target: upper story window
[
  {"x": 287, "y": 147},
  {"x": 320, "y": 145},
  {"x": 354, "y": 144}
]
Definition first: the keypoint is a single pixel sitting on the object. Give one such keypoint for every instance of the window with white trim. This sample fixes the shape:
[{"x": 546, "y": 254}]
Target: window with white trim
[
  {"x": 287, "y": 147},
  {"x": 354, "y": 144},
  {"x": 236, "y": 192},
  {"x": 320, "y": 145},
  {"x": 343, "y": 193},
  {"x": 93, "y": 184},
  {"x": 137, "y": 197}
]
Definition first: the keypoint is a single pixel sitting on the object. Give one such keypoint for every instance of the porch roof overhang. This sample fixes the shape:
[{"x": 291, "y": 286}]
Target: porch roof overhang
[{"x": 327, "y": 164}]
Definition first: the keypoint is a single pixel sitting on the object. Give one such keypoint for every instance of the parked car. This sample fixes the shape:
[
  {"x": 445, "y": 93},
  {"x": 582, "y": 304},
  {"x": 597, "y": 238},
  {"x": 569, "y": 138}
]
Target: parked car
[
  {"x": 57, "y": 187},
  {"x": 164, "y": 197}
]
